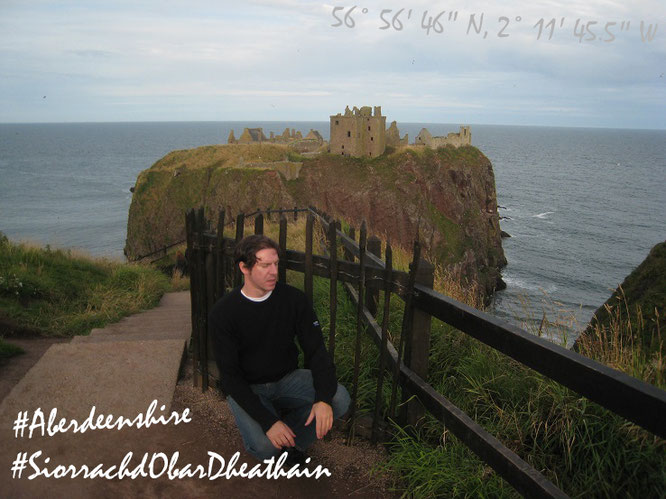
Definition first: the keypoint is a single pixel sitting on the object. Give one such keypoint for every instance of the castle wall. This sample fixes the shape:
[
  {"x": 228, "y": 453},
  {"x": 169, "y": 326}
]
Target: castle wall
[
  {"x": 251, "y": 135},
  {"x": 463, "y": 138},
  {"x": 424, "y": 138},
  {"x": 358, "y": 133}
]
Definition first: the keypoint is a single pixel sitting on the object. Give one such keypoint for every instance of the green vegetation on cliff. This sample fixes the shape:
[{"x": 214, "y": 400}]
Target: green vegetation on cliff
[
  {"x": 57, "y": 292},
  {"x": 638, "y": 302},
  {"x": 626, "y": 332},
  {"x": 448, "y": 194}
]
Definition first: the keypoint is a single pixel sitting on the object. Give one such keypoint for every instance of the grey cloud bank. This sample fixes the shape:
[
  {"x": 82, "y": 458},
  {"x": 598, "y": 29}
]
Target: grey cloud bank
[{"x": 275, "y": 60}]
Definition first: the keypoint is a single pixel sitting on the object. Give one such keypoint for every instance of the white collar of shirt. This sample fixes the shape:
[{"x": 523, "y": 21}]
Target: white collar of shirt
[{"x": 261, "y": 298}]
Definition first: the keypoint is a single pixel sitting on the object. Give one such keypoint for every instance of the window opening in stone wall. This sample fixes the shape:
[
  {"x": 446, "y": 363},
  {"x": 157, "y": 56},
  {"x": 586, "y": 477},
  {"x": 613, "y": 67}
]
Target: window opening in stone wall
[{"x": 348, "y": 133}]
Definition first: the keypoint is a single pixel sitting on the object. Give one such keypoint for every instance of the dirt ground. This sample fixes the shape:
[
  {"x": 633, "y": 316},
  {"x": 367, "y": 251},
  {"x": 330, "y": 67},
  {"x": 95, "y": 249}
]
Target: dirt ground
[
  {"x": 14, "y": 368},
  {"x": 212, "y": 429}
]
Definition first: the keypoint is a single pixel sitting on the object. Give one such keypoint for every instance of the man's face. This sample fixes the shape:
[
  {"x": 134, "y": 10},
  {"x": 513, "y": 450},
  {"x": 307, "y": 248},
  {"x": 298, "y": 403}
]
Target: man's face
[{"x": 262, "y": 277}]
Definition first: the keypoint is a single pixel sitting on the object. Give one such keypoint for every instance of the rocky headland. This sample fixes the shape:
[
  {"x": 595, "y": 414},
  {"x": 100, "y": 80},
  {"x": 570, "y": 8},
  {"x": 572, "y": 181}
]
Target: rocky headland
[{"x": 448, "y": 193}]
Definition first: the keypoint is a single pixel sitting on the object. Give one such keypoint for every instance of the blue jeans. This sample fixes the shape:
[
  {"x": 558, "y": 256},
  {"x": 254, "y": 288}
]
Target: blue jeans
[{"x": 290, "y": 399}]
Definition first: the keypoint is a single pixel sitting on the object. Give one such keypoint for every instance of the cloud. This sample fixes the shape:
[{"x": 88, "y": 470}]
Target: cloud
[{"x": 285, "y": 55}]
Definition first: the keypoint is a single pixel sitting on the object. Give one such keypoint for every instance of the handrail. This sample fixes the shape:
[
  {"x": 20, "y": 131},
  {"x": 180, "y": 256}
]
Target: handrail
[
  {"x": 158, "y": 251},
  {"x": 635, "y": 400}
]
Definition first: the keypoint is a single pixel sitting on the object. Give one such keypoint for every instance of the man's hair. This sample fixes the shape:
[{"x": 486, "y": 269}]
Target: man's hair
[{"x": 246, "y": 250}]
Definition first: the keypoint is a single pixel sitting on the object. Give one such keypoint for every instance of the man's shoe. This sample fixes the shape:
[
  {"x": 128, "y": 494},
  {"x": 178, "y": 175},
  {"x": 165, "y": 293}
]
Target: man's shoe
[{"x": 294, "y": 457}]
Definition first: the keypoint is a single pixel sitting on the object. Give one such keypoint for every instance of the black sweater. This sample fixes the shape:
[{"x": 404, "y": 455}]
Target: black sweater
[{"x": 254, "y": 343}]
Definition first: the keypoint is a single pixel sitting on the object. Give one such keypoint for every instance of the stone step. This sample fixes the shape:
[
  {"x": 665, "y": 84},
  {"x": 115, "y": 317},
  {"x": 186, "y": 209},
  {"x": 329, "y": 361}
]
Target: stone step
[
  {"x": 153, "y": 335},
  {"x": 154, "y": 326}
]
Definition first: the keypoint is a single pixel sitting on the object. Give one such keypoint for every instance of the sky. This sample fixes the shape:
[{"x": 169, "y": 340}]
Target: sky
[{"x": 545, "y": 62}]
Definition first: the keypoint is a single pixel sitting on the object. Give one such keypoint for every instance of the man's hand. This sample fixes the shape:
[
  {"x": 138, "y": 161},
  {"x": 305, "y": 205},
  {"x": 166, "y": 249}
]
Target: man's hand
[
  {"x": 323, "y": 413},
  {"x": 281, "y": 435}
]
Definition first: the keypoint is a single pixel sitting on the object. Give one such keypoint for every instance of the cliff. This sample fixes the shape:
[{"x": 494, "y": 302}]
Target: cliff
[
  {"x": 635, "y": 310},
  {"x": 448, "y": 193}
]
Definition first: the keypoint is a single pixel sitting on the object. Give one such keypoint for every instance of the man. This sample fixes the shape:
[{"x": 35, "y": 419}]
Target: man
[{"x": 276, "y": 405}]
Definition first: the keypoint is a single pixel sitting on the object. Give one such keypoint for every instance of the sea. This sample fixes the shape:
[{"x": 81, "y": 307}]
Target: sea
[{"x": 583, "y": 206}]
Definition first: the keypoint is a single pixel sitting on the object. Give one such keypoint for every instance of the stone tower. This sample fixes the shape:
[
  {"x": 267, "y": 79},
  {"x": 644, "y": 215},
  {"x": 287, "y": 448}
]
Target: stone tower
[{"x": 358, "y": 133}]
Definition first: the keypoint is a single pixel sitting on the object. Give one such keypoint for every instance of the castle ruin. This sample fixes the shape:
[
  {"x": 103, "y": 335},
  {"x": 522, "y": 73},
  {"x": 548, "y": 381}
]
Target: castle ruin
[
  {"x": 250, "y": 135},
  {"x": 393, "y": 136},
  {"x": 357, "y": 133},
  {"x": 360, "y": 132},
  {"x": 463, "y": 138},
  {"x": 311, "y": 142}
]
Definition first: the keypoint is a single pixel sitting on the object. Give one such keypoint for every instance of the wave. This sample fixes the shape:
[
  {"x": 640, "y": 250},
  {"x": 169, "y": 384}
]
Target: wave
[
  {"x": 513, "y": 282},
  {"x": 543, "y": 215}
]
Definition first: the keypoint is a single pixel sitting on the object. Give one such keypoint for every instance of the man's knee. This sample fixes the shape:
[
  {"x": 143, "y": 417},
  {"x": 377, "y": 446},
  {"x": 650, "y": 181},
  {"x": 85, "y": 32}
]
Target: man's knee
[
  {"x": 262, "y": 449},
  {"x": 255, "y": 440},
  {"x": 340, "y": 402},
  {"x": 301, "y": 384}
]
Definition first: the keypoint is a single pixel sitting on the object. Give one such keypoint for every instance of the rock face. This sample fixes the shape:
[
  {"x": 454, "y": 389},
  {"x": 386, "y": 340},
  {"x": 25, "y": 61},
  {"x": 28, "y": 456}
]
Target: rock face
[{"x": 449, "y": 194}]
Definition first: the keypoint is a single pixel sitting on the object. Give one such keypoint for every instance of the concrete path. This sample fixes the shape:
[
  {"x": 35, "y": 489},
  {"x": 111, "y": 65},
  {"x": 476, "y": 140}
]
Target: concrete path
[
  {"x": 141, "y": 353},
  {"x": 121, "y": 370}
]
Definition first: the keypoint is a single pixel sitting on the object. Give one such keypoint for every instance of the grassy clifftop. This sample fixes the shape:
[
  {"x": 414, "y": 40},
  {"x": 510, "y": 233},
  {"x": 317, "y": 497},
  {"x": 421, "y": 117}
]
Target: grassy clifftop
[
  {"x": 634, "y": 314},
  {"x": 56, "y": 292},
  {"x": 449, "y": 194}
]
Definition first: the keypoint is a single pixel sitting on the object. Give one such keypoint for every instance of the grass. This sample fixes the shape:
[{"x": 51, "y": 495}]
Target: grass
[
  {"x": 223, "y": 155},
  {"x": 628, "y": 342},
  {"x": 64, "y": 293},
  {"x": 637, "y": 302},
  {"x": 8, "y": 350}
]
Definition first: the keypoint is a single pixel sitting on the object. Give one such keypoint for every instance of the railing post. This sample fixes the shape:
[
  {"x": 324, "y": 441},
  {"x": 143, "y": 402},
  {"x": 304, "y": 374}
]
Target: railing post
[
  {"x": 417, "y": 347},
  {"x": 220, "y": 267},
  {"x": 206, "y": 341},
  {"x": 372, "y": 293},
  {"x": 259, "y": 223},
  {"x": 240, "y": 228},
  {"x": 333, "y": 293},
  {"x": 198, "y": 292},
  {"x": 359, "y": 327},
  {"x": 405, "y": 333},
  {"x": 349, "y": 256},
  {"x": 282, "y": 267},
  {"x": 202, "y": 300},
  {"x": 388, "y": 276},
  {"x": 192, "y": 259},
  {"x": 307, "y": 278}
]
